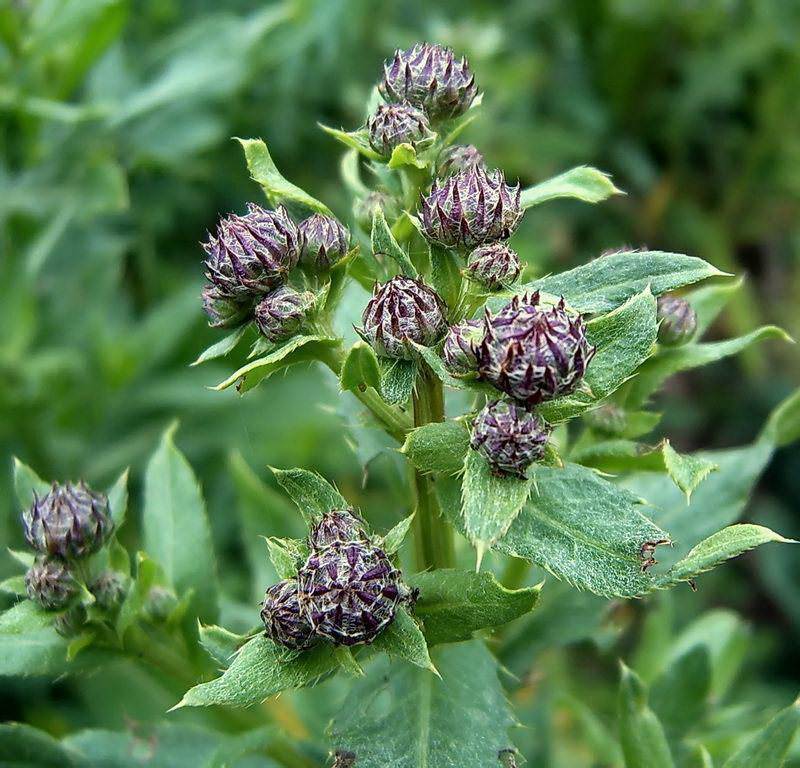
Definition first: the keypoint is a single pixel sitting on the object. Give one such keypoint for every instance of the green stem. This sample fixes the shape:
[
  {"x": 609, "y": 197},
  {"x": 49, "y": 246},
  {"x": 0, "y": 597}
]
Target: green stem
[{"x": 433, "y": 536}]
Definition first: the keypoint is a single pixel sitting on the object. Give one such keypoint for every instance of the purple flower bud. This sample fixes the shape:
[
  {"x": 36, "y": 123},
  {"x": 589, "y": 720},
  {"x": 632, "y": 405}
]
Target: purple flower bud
[
  {"x": 283, "y": 619},
  {"x": 339, "y": 526},
  {"x": 457, "y": 158},
  {"x": 678, "y": 321},
  {"x": 349, "y": 593},
  {"x": 325, "y": 241},
  {"x": 608, "y": 419},
  {"x": 222, "y": 311},
  {"x": 109, "y": 590},
  {"x": 430, "y": 77},
  {"x": 494, "y": 265},
  {"x": 50, "y": 583},
  {"x": 280, "y": 314},
  {"x": 471, "y": 208},
  {"x": 460, "y": 346},
  {"x": 71, "y": 521},
  {"x": 534, "y": 353},
  {"x": 509, "y": 436},
  {"x": 396, "y": 124},
  {"x": 252, "y": 254},
  {"x": 401, "y": 310}
]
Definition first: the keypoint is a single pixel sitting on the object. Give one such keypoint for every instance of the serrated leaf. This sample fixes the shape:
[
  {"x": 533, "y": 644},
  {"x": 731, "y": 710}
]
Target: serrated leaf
[
  {"x": 175, "y": 527},
  {"x": 223, "y": 347},
  {"x": 360, "y": 369},
  {"x": 262, "y": 669},
  {"x": 383, "y": 243},
  {"x": 438, "y": 447},
  {"x": 608, "y": 281},
  {"x": 277, "y": 189},
  {"x": 583, "y": 183},
  {"x": 398, "y": 378},
  {"x": 220, "y": 643},
  {"x": 403, "y": 639},
  {"x": 393, "y": 540},
  {"x": 299, "y": 349},
  {"x": 313, "y": 495},
  {"x": 26, "y": 747},
  {"x": 679, "y": 696},
  {"x": 769, "y": 747},
  {"x": 286, "y": 556},
  {"x": 357, "y": 140},
  {"x": 118, "y": 499},
  {"x": 489, "y": 503},
  {"x": 461, "y": 720},
  {"x": 454, "y": 604},
  {"x": 687, "y": 471},
  {"x": 26, "y": 482}
]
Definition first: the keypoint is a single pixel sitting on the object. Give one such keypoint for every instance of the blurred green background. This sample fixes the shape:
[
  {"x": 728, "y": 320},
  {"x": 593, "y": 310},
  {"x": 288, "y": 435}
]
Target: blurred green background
[{"x": 116, "y": 118}]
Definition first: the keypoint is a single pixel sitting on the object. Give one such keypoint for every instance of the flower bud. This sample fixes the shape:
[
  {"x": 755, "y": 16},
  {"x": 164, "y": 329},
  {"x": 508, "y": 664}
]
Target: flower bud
[
  {"x": 71, "y": 521},
  {"x": 325, "y": 241},
  {"x": 109, "y": 590},
  {"x": 50, "y": 583},
  {"x": 339, "y": 526},
  {"x": 70, "y": 623},
  {"x": 494, "y": 265},
  {"x": 252, "y": 254},
  {"x": 280, "y": 314},
  {"x": 401, "y": 310},
  {"x": 350, "y": 592},
  {"x": 160, "y": 603},
  {"x": 471, "y": 208},
  {"x": 609, "y": 420},
  {"x": 457, "y": 158},
  {"x": 430, "y": 77},
  {"x": 460, "y": 346},
  {"x": 394, "y": 124},
  {"x": 509, "y": 436},
  {"x": 678, "y": 321},
  {"x": 284, "y": 622},
  {"x": 364, "y": 210},
  {"x": 222, "y": 311},
  {"x": 534, "y": 353}
]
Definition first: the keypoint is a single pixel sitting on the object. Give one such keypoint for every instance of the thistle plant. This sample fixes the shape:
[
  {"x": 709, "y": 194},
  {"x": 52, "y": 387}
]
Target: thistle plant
[{"x": 520, "y": 408}]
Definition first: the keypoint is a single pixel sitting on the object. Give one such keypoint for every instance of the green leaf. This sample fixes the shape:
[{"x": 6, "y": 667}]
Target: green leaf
[
  {"x": 610, "y": 280},
  {"x": 680, "y": 694},
  {"x": 118, "y": 499},
  {"x": 403, "y": 639},
  {"x": 24, "y": 616},
  {"x": 29, "y": 645},
  {"x": 644, "y": 744},
  {"x": 383, "y": 243},
  {"x": 175, "y": 527},
  {"x": 223, "y": 346},
  {"x": 393, "y": 540},
  {"x": 262, "y": 669},
  {"x": 438, "y": 447},
  {"x": 220, "y": 643},
  {"x": 583, "y": 183},
  {"x": 454, "y": 604},
  {"x": 313, "y": 495},
  {"x": 446, "y": 277},
  {"x": 489, "y": 503},
  {"x": 277, "y": 189},
  {"x": 405, "y": 155},
  {"x": 716, "y": 549},
  {"x": 461, "y": 720},
  {"x": 360, "y": 369},
  {"x": 783, "y": 425},
  {"x": 24, "y": 557},
  {"x": 358, "y": 140},
  {"x": 624, "y": 339},
  {"x": 26, "y": 483},
  {"x": 434, "y": 361},
  {"x": 26, "y": 747},
  {"x": 709, "y": 301},
  {"x": 147, "y": 575},
  {"x": 14, "y": 585},
  {"x": 286, "y": 556},
  {"x": 398, "y": 378},
  {"x": 347, "y": 661},
  {"x": 299, "y": 349},
  {"x": 769, "y": 747}
]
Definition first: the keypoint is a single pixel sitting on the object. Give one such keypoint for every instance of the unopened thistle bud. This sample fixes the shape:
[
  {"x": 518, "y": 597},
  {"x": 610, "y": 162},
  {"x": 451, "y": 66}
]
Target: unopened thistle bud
[
  {"x": 50, "y": 583},
  {"x": 402, "y": 310},
  {"x": 678, "y": 321},
  {"x": 430, "y": 77},
  {"x": 222, "y": 311},
  {"x": 281, "y": 313},
  {"x": 457, "y": 158},
  {"x": 396, "y": 124},
  {"x": 70, "y": 623},
  {"x": 160, "y": 603},
  {"x": 471, "y": 208},
  {"x": 339, "y": 526},
  {"x": 493, "y": 265},
  {"x": 109, "y": 590},
  {"x": 509, "y": 436},
  {"x": 460, "y": 346},
  {"x": 284, "y": 622},
  {"x": 609, "y": 420},
  {"x": 325, "y": 241},
  {"x": 70, "y": 521}
]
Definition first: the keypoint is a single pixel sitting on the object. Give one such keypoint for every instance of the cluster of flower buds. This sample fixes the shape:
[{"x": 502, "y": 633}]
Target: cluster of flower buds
[
  {"x": 347, "y": 591},
  {"x": 249, "y": 261},
  {"x": 677, "y": 321}
]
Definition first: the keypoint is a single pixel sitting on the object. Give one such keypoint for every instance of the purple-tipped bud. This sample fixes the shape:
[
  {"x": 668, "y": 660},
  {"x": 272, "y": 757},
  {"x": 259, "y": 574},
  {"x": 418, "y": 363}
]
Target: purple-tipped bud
[
  {"x": 678, "y": 321},
  {"x": 394, "y": 124},
  {"x": 222, "y": 311},
  {"x": 460, "y": 346},
  {"x": 50, "y": 583},
  {"x": 609, "y": 420},
  {"x": 471, "y": 208},
  {"x": 494, "y": 265},
  {"x": 109, "y": 590},
  {"x": 430, "y": 77},
  {"x": 349, "y": 593},
  {"x": 283, "y": 619},
  {"x": 509, "y": 436},
  {"x": 339, "y": 526},
  {"x": 70, "y": 521},
  {"x": 252, "y": 254},
  {"x": 534, "y": 353},
  {"x": 325, "y": 241},
  {"x": 402, "y": 310},
  {"x": 280, "y": 314},
  {"x": 457, "y": 158}
]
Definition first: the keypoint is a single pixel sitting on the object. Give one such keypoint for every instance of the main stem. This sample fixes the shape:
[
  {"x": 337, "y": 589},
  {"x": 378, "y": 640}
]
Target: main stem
[{"x": 434, "y": 540}]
